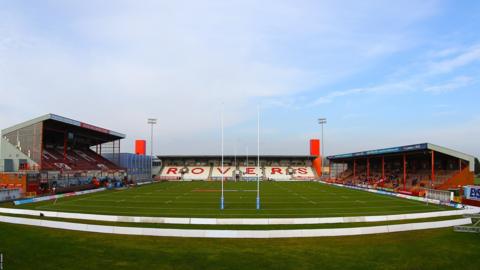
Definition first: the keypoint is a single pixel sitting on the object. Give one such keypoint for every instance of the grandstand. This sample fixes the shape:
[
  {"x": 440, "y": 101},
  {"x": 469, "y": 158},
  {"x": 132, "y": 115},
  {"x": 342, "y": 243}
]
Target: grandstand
[
  {"x": 170, "y": 173},
  {"x": 406, "y": 169},
  {"x": 197, "y": 173},
  {"x": 228, "y": 173},
  {"x": 249, "y": 173},
  {"x": 52, "y": 151},
  {"x": 272, "y": 167}
]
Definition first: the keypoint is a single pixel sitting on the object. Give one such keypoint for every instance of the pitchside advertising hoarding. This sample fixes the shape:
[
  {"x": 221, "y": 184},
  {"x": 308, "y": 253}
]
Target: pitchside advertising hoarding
[{"x": 472, "y": 192}]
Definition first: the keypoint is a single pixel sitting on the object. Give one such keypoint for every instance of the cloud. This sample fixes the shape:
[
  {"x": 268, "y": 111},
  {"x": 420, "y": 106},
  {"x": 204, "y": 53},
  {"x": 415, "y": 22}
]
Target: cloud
[
  {"x": 452, "y": 85},
  {"x": 423, "y": 79},
  {"x": 399, "y": 87},
  {"x": 387, "y": 88},
  {"x": 461, "y": 59}
]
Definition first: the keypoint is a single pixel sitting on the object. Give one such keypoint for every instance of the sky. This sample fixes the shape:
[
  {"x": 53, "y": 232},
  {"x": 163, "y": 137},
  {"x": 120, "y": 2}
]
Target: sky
[{"x": 383, "y": 73}]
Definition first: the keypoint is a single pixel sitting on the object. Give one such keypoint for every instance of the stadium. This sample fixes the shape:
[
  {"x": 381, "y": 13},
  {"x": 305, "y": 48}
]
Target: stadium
[{"x": 65, "y": 181}]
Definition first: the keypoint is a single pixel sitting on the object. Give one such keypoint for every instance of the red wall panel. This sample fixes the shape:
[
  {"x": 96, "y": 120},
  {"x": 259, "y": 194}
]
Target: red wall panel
[
  {"x": 315, "y": 147},
  {"x": 140, "y": 147}
]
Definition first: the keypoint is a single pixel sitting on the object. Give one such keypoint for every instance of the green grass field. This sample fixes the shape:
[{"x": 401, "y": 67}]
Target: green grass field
[
  {"x": 37, "y": 248},
  {"x": 41, "y": 248},
  {"x": 477, "y": 180},
  {"x": 201, "y": 199}
]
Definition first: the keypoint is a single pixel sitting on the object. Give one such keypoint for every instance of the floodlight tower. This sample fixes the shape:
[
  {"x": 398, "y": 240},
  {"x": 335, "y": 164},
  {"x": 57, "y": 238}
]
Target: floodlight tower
[
  {"x": 322, "y": 121},
  {"x": 151, "y": 122}
]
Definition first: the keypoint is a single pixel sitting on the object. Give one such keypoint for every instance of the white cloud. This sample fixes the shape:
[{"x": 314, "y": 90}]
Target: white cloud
[
  {"x": 463, "y": 58},
  {"x": 452, "y": 59},
  {"x": 413, "y": 84},
  {"x": 387, "y": 88},
  {"x": 452, "y": 85}
]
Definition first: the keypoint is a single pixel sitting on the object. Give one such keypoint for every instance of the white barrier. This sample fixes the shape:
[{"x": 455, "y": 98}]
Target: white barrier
[
  {"x": 237, "y": 221},
  {"x": 235, "y": 233}
]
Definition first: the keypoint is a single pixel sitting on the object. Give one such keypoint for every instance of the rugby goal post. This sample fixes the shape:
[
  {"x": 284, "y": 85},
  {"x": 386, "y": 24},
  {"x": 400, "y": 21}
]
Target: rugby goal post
[{"x": 443, "y": 196}]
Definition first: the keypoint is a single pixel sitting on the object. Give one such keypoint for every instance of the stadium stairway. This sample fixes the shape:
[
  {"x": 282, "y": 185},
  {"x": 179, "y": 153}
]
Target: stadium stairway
[{"x": 210, "y": 173}]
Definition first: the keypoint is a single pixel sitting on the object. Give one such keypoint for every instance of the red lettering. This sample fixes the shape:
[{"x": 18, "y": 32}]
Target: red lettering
[
  {"x": 276, "y": 170},
  {"x": 302, "y": 171},
  {"x": 225, "y": 170},
  {"x": 198, "y": 170},
  {"x": 250, "y": 171},
  {"x": 172, "y": 171}
]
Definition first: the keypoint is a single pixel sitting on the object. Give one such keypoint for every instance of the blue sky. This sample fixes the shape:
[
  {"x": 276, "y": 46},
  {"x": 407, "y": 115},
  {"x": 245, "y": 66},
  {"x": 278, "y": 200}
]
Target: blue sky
[{"x": 384, "y": 73}]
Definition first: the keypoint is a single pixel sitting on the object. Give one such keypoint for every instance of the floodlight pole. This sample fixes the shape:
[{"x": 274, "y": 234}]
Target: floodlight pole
[
  {"x": 258, "y": 157},
  {"x": 222, "y": 199},
  {"x": 322, "y": 121},
  {"x": 152, "y": 122}
]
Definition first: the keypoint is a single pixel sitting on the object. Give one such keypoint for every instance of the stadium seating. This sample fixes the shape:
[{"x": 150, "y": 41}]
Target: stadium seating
[
  {"x": 53, "y": 160},
  {"x": 76, "y": 160},
  {"x": 228, "y": 172},
  {"x": 345, "y": 175},
  {"x": 246, "y": 173},
  {"x": 197, "y": 173},
  {"x": 277, "y": 173},
  {"x": 303, "y": 173},
  {"x": 442, "y": 176},
  {"x": 458, "y": 178},
  {"x": 171, "y": 173},
  {"x": 250, "y": 173}
]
